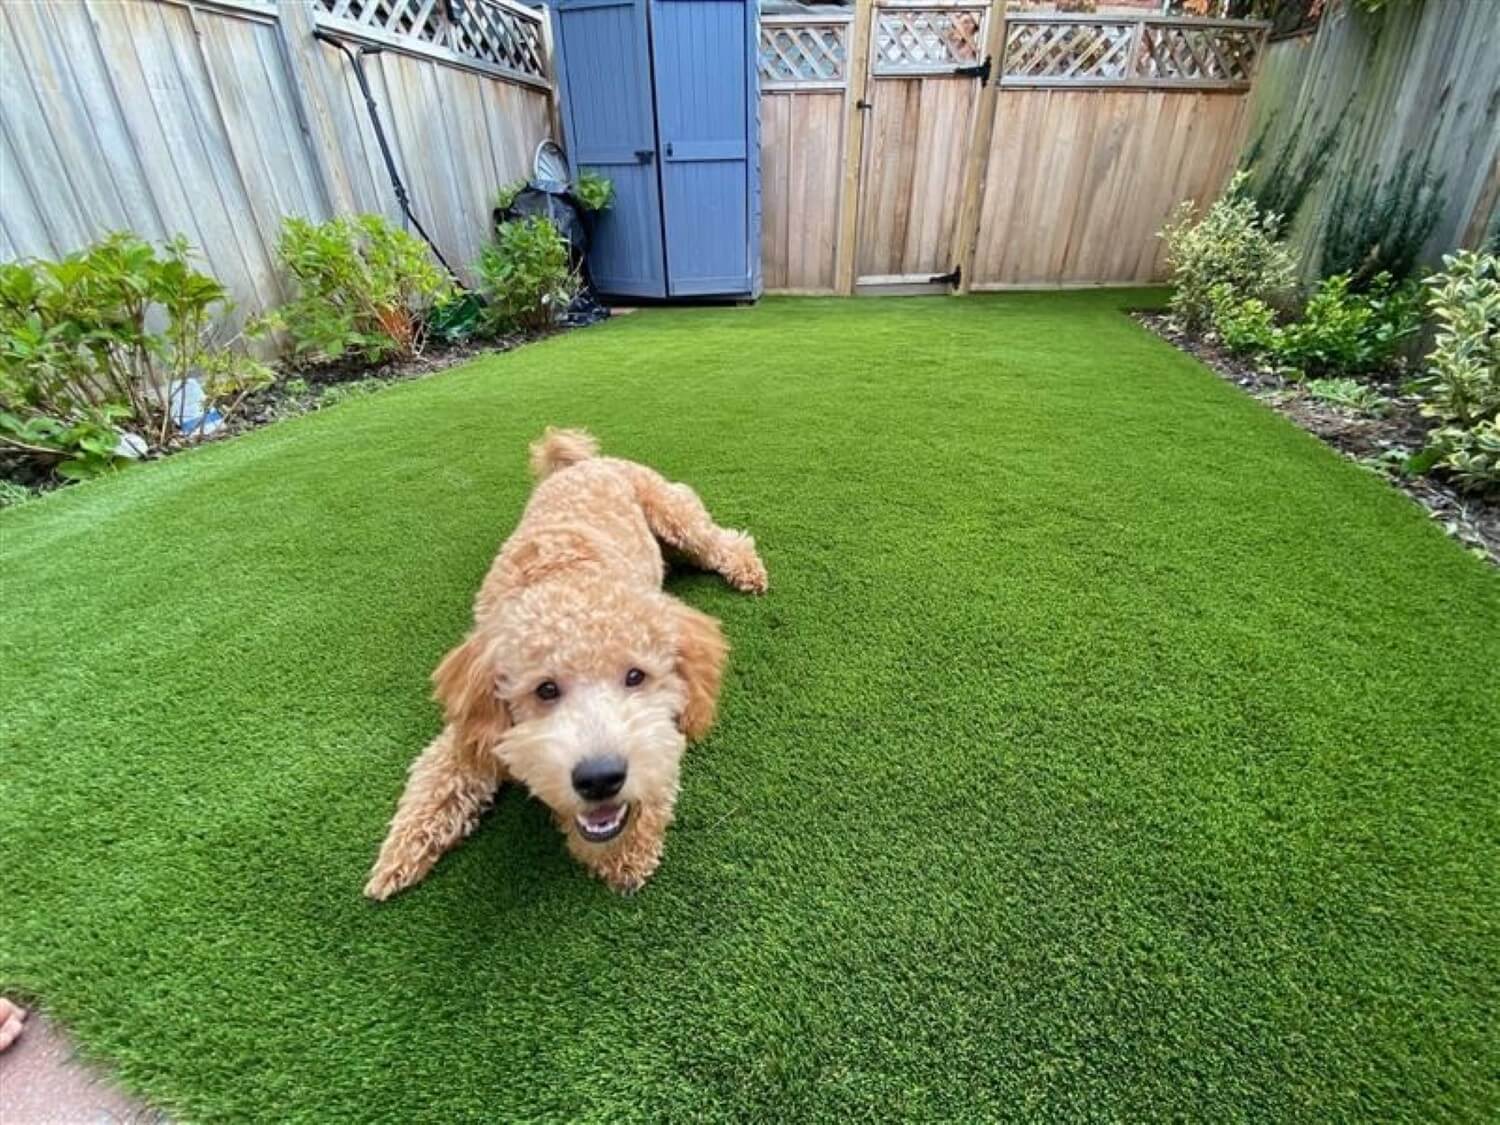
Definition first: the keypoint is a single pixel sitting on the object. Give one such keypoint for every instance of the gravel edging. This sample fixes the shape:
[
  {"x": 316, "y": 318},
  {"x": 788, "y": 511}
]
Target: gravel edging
[{"x": 1377, "y": 442}]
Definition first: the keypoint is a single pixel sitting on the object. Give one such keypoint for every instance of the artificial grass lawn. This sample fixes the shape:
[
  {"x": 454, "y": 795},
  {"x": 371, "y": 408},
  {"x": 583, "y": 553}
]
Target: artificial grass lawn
[{"x": 1105, "y": 747}]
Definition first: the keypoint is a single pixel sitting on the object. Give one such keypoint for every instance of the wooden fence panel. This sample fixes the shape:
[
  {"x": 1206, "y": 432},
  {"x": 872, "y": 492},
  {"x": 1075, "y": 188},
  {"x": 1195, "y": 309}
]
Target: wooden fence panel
[
  {"x": 801, "y": 162},
  {"x": 217, "y": 120},
  {"x": 804, "y": 75}
]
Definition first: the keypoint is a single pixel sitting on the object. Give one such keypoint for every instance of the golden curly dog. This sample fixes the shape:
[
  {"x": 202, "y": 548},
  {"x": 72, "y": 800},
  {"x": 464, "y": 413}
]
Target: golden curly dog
[{"x": 581, "y": 679}]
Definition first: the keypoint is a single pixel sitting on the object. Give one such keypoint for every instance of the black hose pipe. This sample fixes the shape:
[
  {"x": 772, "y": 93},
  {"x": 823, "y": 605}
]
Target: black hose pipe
[{"x": 357, "y": 61}]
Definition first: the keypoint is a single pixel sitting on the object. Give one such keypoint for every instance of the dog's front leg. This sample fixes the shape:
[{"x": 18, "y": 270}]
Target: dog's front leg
[
  {"x": 628, "y": 861},
  {"x": 448, "y": 789}
]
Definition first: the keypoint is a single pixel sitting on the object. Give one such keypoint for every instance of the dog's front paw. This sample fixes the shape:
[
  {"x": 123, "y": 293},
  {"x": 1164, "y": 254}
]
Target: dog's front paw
[
  {"x": 626, "y": 883},
  {"x": 387, "y": 880},
  {"x": 627, "y": 870},
  {"x": 743, "y": 568}
]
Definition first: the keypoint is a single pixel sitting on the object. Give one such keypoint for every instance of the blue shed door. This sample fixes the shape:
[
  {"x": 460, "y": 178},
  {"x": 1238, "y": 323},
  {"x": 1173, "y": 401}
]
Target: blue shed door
[
  {"x": 607, "y": 77},
  {"x": 702, "y": 90}
]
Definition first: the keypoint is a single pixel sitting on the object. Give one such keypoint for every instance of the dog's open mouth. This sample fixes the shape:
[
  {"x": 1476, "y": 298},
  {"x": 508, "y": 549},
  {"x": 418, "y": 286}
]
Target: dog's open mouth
[{"x": 602, "y": 822}]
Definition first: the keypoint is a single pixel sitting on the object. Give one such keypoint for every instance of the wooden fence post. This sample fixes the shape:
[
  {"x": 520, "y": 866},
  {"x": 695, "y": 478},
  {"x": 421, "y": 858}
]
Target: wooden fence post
[
  {"x": 979, "y": 147},
  {"x": 854, "y": 145},
  {"x": 554, "y": 76}
]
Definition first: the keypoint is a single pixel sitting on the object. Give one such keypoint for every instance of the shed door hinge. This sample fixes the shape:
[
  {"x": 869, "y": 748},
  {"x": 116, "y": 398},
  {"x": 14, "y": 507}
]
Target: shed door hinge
[
  {"x": 948, "y": 278},
  {"x": 981, "y": 72}
]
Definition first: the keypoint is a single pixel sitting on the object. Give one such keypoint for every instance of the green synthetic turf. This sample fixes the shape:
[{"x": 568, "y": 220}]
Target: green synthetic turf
[{"x": 1105, "y": 748}]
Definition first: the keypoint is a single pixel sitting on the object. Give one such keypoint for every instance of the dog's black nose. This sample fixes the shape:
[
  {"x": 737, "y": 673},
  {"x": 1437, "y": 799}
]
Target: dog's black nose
[{"x": 599, "y": 778}]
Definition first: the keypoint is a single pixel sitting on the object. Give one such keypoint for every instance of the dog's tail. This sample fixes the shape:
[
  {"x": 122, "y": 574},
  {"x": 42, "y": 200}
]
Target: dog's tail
[{"x": 557, "y": 449}]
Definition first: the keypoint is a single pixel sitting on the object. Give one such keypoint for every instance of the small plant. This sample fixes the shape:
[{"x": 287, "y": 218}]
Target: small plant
[
  {"x": 1233, "y": 244},
  {"x": 117, "y": 337},
  {"x": 1348, "y": 393},
  {"x": 13, "y": 495},
  {"x": 505, "y": 198},
  {"x": 594, "y": 191},
  {"x": 1462, "y": 386},
  {"x": 364, "y": 288},
  {"x": 1344, "y": 332},
  {"x": 343, "y": 392},
  {"x": 1378, "y": 225},
  {"x": 526, "y": 276}
]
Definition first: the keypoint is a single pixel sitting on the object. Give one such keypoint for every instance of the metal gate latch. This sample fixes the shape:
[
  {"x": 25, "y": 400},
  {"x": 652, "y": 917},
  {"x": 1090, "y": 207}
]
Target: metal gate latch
[{"x": 981, "y": 72}]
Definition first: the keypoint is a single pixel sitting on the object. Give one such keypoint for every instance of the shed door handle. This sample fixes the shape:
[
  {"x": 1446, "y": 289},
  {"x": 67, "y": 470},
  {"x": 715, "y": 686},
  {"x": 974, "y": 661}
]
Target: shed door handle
[
  {"x": 669, "y": 150},
  {"x": 644, "y": 155}
]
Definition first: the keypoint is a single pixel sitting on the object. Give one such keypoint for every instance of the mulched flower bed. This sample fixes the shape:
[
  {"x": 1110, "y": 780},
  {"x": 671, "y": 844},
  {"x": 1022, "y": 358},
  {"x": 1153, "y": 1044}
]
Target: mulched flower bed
[
  {"x": 299, "y": 390},
  {"x": 1381, "y": 442}
]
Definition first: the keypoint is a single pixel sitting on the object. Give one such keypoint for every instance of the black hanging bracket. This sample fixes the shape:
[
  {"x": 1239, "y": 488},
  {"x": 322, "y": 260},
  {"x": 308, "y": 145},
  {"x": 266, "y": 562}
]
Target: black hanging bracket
[
  {"x": 981, "y": 72},
  {"x": 948, "y": 278}
]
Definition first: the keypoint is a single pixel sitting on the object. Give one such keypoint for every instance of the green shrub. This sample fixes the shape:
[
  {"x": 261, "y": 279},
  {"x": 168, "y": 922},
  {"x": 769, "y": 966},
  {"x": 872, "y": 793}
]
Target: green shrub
[
  {"x": 1246, "y": 326},
  {"x": 526, "y": 277},
  {"x": 1462, "y": 385},
  {"x": 103, "y": 341},
  {"x": 364, "y": 288},
  {"x": 1339, "y": 333},
  {"x": 594, "y": 191},
  {"x": 1471, "y": 454},
  {"x": 1379, "y": 224},
  {"x": 1344, "y": 332},
  {"x": 1232, "y": 244}
]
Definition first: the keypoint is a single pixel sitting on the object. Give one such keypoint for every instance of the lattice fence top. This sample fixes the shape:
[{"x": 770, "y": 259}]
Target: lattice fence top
[
  {"x": 927, "y": 40},
  {"x": 1088, "y": 51},
  {"x": 488, "y": 35},
  {"x": 1179, "y": 53},
  {"x": 804, "y": 54}
]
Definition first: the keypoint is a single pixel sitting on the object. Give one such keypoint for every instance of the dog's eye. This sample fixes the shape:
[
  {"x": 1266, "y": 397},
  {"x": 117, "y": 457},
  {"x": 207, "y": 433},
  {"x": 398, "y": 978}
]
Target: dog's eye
[
  {"x": 548, "y": 690},
  {"x": 634, "y": 678}
]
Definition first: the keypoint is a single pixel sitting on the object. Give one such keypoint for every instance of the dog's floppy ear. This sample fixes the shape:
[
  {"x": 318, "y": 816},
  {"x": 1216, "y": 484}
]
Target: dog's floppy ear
[
  {"x": 465, "y": 683},
  {"x": 700, "y": 652}
]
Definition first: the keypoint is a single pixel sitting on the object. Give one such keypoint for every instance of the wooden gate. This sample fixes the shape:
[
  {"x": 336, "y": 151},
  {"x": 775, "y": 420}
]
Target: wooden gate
[{"x": 926, "y": 68}]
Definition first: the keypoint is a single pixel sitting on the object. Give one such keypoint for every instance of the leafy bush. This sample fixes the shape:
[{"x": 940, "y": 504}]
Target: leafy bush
[
  {"x": 1350, "y": 393},
  {"x": 107, "y": 339},
  {"x": 1462, "y": 386},
  {"x": 1378, "y": 225},
  {"x": 1339, "y": 332},
  {"x": 526, "y": 277},
  {"x": 1344, "y": 332},
  {"x": 1246, "y": 326},
  {"x": 364, "y": 288},
  {"x": 594, "y": 191},
  {"x": 1233, "y": 244}
]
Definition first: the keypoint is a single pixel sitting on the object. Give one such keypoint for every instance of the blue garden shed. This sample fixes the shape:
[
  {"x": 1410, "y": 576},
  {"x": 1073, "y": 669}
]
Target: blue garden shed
[{"x": 661, "y": 97}]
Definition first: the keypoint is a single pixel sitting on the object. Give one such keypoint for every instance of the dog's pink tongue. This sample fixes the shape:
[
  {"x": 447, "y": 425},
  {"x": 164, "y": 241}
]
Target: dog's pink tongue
[{"x": 602, "y": 815}]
